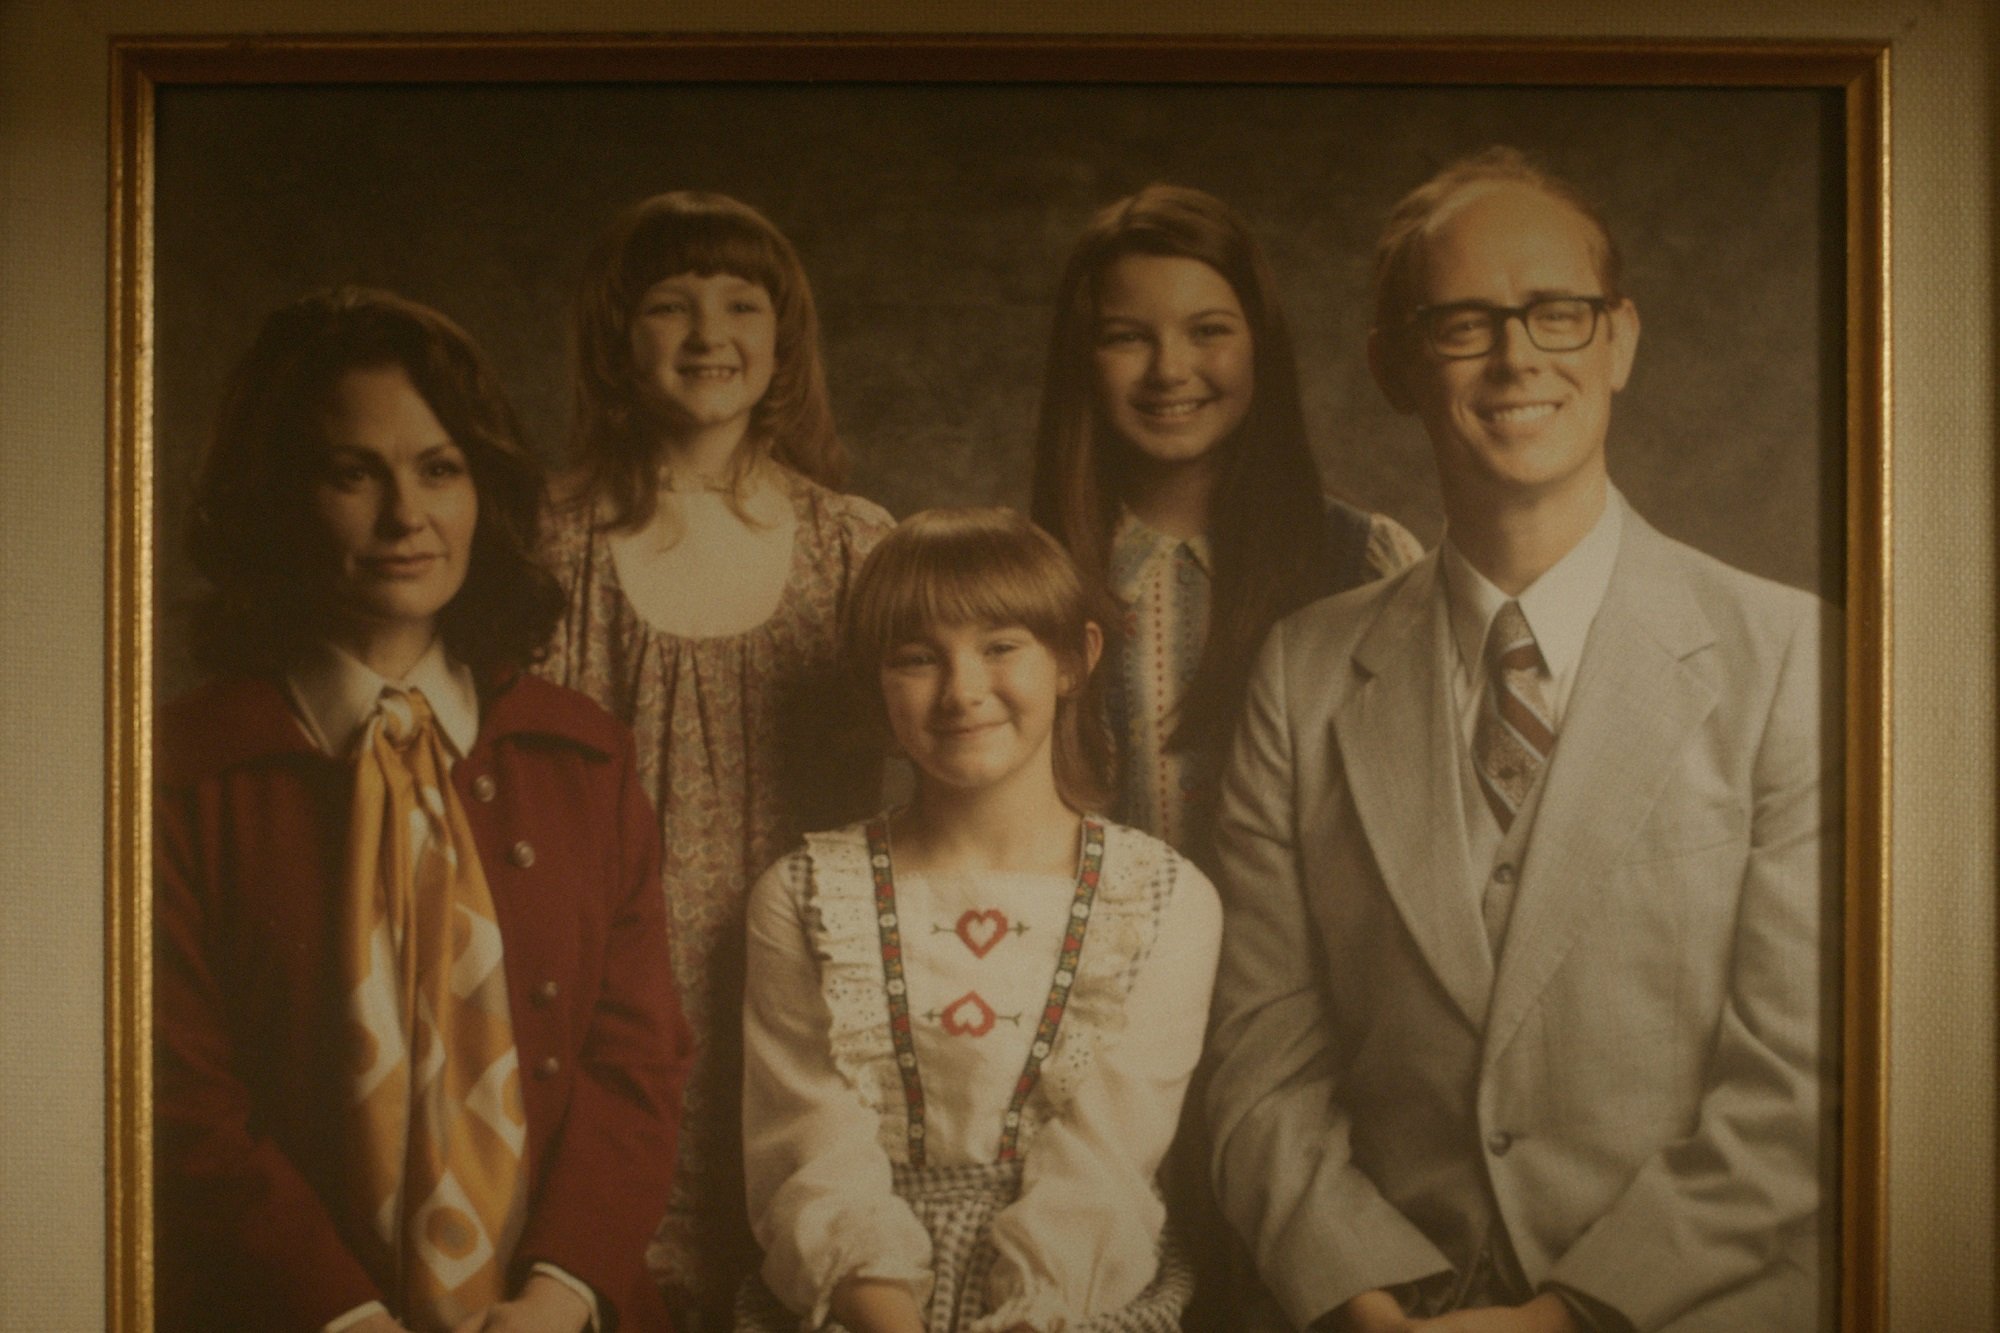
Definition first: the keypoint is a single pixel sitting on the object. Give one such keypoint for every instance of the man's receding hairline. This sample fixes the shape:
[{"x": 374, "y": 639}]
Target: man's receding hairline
[{"x": 1466, "y": 193}]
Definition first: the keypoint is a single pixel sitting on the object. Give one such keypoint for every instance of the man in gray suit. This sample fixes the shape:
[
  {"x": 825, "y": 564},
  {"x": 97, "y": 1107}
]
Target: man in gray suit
[{"x": 1525, "y": 853}]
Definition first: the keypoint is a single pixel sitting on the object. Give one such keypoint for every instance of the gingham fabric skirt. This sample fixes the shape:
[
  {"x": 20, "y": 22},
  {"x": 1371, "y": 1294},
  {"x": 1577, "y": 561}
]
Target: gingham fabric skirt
[{"x": 956, "y": 1204}]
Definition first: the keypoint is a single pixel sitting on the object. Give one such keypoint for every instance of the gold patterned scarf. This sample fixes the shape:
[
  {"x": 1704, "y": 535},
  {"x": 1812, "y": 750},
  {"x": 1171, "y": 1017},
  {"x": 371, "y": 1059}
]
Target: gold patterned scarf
[{"x": 435, "y": 1122}]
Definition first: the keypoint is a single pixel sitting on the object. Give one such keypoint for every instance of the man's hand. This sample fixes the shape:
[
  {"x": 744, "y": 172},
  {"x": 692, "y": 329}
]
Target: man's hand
[
  {"x": 1372, "y": 1312},
  {"x": 544, "y": 1306},
  {"x": 1547, "y": 1313}
]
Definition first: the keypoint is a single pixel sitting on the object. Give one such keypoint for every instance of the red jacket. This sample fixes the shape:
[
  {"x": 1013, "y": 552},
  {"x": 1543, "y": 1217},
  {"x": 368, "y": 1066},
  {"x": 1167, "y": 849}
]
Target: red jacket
[{"x": 250, "y": 827}]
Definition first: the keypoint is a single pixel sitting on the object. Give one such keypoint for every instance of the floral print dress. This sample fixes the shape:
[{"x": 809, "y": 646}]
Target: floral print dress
[{"x": 744, "y": 743}]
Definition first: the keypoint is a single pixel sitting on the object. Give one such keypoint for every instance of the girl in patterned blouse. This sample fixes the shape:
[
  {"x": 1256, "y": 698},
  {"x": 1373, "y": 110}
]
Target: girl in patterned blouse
[
  {"x": 1172, "y": 461},
  {"x": 972, "y": 1020},
  {"x": 705, "y": 553}
]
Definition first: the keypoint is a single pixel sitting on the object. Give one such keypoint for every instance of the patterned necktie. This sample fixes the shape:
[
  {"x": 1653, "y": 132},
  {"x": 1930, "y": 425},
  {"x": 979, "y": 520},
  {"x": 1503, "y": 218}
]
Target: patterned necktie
[
  {"x": 434, "y": 1119},
  {"x": 1515, "y": 732}
]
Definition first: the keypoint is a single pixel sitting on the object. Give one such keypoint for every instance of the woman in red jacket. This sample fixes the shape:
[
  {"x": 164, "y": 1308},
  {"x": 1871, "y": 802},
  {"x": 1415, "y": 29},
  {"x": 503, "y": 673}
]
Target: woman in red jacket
[{"x": 418, "y": 1052}]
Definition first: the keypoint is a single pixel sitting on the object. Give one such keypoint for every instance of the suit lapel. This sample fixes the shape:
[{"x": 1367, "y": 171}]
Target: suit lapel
[
  {"x": 1639, "y": 694},
  {"x": 1398, "y": 739}
]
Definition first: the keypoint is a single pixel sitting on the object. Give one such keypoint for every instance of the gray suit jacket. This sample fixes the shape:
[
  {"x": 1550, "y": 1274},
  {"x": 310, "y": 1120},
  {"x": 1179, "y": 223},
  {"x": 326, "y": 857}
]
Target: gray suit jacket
[{"x": 1638, "y": 1075}]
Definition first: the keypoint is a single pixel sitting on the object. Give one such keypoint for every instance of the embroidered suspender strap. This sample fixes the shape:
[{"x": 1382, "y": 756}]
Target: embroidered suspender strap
[
  {"x": 1089, "y": 866},
  {"x": 1088, "y": 869},
  {"x": 897, "y": 988}
]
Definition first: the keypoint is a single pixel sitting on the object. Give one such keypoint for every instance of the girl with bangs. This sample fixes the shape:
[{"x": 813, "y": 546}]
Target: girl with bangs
[
  {"x": 706, "y": 553},
  {"x": 1172, "y": 461},
  {"x": 971, "y": 1021}
]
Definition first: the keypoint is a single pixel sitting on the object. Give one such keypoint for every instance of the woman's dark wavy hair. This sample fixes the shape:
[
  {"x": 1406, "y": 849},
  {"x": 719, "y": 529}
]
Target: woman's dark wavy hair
[
  {"x": 983, "y": 566},
  {"x": 253, "y": 535},
  {"x": 1267, "y": 515},
  {"x": 618, "y": 431}
]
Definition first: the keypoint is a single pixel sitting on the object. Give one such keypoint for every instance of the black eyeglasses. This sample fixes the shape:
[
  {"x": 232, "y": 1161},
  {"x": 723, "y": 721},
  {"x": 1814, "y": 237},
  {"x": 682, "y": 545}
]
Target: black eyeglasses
[{"x": 1465, "y": 329}]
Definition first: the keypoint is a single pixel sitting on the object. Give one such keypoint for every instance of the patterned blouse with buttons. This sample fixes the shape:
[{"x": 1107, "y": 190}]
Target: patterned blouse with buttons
[
  {"x": 900, "y": 1023},
  {"x": 1165, "y": 586}
]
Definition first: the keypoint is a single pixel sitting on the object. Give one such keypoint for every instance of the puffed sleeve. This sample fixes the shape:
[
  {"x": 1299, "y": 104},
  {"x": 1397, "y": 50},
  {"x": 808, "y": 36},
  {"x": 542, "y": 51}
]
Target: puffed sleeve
[
  {"x": 1390, "y": 547},
  {"x": 1083, "y": 1238},
  {"x": 860, "y": 524},
  {"x": 821, "y": 1202}
]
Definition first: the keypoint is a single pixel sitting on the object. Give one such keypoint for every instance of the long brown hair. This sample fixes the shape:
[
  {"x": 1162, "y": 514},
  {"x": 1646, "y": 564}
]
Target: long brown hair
[
  {"x": 617, "y": 432},
  {"x": 983, "y": 566},
  {"x": 252, "y": 536},
  {"x": 1267, "y": 515}
]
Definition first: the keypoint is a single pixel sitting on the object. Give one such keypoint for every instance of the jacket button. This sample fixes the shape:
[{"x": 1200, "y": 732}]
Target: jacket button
[
  {"x": 1498, "y": 1142},
  {"x": 484, "y": 788},
  {"x": 522, "y": 854},
  {"x": 1504, "y": 872},
  {"x": 548, "y": 1068},
  {"x": 545, "y": 994}
]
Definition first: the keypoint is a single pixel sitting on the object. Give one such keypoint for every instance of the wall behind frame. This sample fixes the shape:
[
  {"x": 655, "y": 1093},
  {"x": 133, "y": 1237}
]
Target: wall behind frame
[{"x": 52, "y": 175}]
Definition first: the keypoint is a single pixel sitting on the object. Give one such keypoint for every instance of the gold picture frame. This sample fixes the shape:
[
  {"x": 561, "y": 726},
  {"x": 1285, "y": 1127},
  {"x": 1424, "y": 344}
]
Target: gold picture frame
[{"x": 1852, "y": 76}]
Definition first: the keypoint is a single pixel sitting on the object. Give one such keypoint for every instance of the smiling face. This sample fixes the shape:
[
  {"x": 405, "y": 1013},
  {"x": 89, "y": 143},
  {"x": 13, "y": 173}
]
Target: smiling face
[
  {"x": 703, "y": 347},
  {"x": 974, "y": 706},
  {"x": 395, "y": 507},
  {"x": 1519, "y": 423},
  {"x": 1174, "y": 358}
]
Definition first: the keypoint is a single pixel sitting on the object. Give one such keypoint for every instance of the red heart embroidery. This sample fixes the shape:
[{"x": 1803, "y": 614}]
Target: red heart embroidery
[
  {"x": 968, "y": 1016},
  {"x": 982, "y": 930}
]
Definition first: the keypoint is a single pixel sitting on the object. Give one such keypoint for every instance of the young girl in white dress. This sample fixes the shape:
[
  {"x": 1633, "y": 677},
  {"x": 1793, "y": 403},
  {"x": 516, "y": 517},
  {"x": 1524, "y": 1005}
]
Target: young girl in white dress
[
  {"x": 705, "y": 552},
  {"x": 971, "y": 1021}
]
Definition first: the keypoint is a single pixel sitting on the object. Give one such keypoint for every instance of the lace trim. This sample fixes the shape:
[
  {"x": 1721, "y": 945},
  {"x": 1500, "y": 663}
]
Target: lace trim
[
  {"x": 1134, "y": 884},
  {"x": 883, "y": 882},
  {"x": 840, "y": 916},
  {"x": 1133, "y": 891}
]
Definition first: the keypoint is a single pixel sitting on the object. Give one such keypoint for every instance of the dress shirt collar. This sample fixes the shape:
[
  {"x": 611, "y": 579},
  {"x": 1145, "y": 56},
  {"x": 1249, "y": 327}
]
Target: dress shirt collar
[
  {"x": 1135, "y": 545},
  {"x": 336, "y": 694},
  {"x": 1560, "y": 605}
]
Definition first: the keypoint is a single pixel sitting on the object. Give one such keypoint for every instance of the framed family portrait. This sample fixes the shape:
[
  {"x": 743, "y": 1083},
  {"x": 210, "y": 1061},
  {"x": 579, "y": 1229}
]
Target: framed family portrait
[{"x": 932, "y": 189}]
